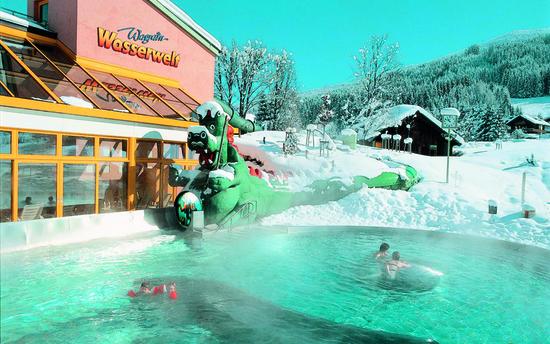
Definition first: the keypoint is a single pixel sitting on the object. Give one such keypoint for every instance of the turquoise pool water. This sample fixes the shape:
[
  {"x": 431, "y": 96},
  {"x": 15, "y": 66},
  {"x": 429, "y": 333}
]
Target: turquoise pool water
[{"x": 275, "y": 285}]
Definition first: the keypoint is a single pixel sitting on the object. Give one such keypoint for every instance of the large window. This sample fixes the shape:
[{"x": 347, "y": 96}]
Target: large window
[
  {"x": 173, "y": 151},
  {"x": 5, "y": 190},
  {"x": 148, "y": 149},
  {"x": 113, "y": 148},
  {"x": 152, "y": 172},
  {"x": 42, "y": 14},
  {"x": 147, "y": 185},
  {"x": 83, "y": 80},
  {"x": 18, "y": 80},
  {"x": 37, "y": 190},
  {"x": 148, "y": 97},
  {"x": 113, "y": 186},
  {"x": 36, "y": 144},
  {"x": 42, "y": 68},
  {"x": 169, "y": 193},
  {"x": 40, "y": 71},
  {"x": 78, "y": 146},
  {"x": 78, "y": 189},
  {"x": 122, "y": 92},
  {"x": 62, "y": 174},
  {"x": 5, "y": 142},
  {"x": 179, "y": 104}
]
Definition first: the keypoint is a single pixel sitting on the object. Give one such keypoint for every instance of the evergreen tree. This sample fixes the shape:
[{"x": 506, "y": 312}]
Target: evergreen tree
[
  {"x": 326, "y": 114},
  {"x": 288, "y": 115},
  {"x": 492, "y": 125},
  {"x": 263, "y": 115},
  {"x": 291, "y": 142}
]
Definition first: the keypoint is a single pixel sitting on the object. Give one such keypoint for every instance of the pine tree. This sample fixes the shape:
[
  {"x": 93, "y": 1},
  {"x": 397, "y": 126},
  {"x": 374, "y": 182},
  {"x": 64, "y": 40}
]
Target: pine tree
[
  {"x": 263, "y": 115},
  {"x": 288, "y": 115},
  {"x": 492, "y": 126},
  {"x": 326, "y": 114},
  {"x": 291, "y": 142}
]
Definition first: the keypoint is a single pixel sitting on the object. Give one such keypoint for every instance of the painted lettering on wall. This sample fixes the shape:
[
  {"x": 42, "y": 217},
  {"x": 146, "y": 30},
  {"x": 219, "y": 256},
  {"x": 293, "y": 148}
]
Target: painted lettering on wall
[
  {"x": 109, "y": 40},
  {"x": 90, "y": 85},
  {"x": 135, "y": 34}
]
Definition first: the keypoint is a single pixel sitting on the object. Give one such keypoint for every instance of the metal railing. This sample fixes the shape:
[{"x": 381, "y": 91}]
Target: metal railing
[
  {"x": 246, "y": 211},
  {"x": 24, "y": 16}
]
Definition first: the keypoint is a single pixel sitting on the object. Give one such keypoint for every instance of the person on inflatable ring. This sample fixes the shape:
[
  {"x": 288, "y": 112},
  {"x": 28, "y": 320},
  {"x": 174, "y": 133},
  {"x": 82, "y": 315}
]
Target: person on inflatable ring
[{"x": 144, "y": 289}]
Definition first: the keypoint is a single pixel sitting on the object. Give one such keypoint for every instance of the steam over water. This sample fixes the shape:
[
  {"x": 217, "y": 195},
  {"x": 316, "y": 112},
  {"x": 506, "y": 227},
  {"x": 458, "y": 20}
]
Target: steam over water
[{"x": 460, "y": 289}]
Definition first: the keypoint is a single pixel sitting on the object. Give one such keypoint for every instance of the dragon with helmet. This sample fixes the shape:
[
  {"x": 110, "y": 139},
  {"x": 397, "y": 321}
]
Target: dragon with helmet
[{"x": 222, "y": 182}]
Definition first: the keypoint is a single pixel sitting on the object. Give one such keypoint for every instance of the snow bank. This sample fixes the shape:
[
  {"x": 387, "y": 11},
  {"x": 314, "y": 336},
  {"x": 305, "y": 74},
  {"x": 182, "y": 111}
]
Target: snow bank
[
  {"x": 480, "y": 175},
  {"x": 304, "y": 170}
]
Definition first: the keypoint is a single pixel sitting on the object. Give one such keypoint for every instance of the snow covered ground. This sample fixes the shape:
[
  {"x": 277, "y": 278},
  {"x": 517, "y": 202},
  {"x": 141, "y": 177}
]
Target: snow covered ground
[{"x": 481, "y": 174}]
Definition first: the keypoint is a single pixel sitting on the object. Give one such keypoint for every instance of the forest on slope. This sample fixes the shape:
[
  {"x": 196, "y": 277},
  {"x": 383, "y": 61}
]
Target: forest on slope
[{"x": 479, "y": 82}]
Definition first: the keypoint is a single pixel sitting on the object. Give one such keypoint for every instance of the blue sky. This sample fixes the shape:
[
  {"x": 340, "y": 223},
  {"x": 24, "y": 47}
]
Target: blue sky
[{"x": 323, "y": 36}]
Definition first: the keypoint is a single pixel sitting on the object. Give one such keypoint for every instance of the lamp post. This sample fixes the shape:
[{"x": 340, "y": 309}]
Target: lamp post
[
  {"x": 408, "y": 140},
  {"x": 449, "y": 120}
]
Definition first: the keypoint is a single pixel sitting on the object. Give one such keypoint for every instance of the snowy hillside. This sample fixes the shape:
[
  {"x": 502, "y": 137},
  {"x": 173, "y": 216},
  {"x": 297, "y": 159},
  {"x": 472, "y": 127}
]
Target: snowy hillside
[
  {"x": 481, "y": 174},
  {"x": 534, "y": 107},
  {"x": 519, "y": 35}
]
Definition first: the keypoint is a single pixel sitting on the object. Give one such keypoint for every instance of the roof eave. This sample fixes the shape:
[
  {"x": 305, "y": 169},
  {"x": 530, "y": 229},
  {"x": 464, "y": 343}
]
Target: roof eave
[
  {"x": 14, "y": 22},
  {"x": 179, "y": 17}
]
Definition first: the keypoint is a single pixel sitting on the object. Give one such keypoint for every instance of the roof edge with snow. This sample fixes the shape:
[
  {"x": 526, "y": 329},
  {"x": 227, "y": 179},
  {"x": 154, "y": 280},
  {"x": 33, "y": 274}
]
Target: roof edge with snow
[
  {"x": 530, "y": 119},
  {"x": 25, "y": 24},
  {"x": 183, "y": 20},
  {"x": 396, "y": 114}
]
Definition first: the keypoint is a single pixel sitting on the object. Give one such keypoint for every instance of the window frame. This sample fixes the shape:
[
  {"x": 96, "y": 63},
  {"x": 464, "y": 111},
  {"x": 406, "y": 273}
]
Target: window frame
[{"x": 60, "y": 160}]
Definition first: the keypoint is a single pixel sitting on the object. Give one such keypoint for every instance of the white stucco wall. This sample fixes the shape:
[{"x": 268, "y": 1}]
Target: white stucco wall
[{"x": 49, "y": 121}]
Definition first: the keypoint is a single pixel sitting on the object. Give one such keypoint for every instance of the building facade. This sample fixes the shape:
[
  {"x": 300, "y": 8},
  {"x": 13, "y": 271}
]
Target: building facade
[
  {"x": 410, "y": 123},
  {"x": 529, "y": 125},
  {"x": 96, "y": 98}
]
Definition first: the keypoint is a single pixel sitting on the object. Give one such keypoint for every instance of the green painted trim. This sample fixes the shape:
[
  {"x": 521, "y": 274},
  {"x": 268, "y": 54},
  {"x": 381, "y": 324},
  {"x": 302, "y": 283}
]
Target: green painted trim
[{"x": 197, "y": 36}]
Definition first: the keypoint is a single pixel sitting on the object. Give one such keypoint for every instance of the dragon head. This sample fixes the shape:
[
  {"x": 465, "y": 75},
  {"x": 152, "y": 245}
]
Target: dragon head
[{"x": 206, "y": 138}]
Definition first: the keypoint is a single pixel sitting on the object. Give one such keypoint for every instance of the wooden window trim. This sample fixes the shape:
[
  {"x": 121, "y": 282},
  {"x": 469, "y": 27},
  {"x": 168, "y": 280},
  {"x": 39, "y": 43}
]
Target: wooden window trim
[{"x": 59, "y": 161}]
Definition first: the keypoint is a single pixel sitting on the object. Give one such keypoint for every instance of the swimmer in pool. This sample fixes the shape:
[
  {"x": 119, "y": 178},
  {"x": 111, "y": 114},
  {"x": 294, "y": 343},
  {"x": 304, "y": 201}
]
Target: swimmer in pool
[
  {"x": 394, "y": 265},
  {"x": 383, "y": 252},
  {"x": 172, "y": 291},
  {"x": 144, "y": 288}
]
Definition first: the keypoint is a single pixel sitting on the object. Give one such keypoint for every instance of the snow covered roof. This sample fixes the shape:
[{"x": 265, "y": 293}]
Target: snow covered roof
[
  {"x": 531, "y": 119},
  {"x": 395, "y": 115},
  {"x": 348, "y": 132},
  {"x": 184, "y": 21}
]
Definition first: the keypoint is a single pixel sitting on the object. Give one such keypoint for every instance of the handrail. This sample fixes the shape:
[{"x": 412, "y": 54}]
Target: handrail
[
  {"x": 245, "y": 210},
  {"x": 24, "y": 16}
]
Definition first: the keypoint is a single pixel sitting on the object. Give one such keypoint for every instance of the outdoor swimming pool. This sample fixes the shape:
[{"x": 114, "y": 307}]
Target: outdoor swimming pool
[{"x": 275, "y": 285}]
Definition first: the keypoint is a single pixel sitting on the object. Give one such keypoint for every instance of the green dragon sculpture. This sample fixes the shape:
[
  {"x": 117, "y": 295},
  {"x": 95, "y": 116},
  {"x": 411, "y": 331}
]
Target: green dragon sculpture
[{"x": 222, "y": 183}]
